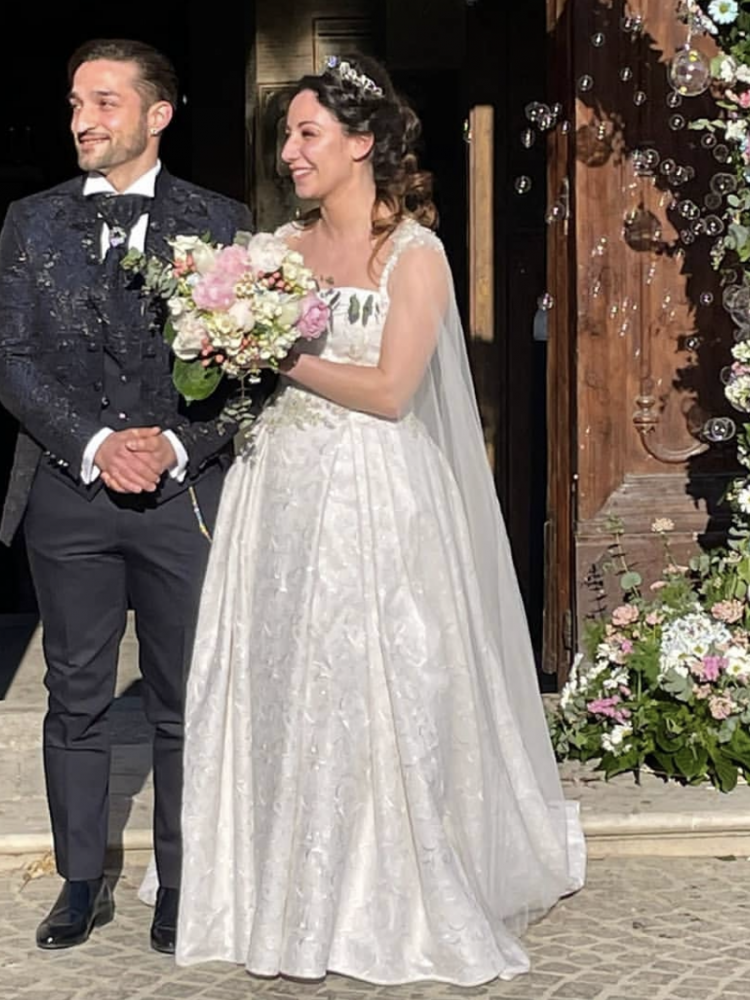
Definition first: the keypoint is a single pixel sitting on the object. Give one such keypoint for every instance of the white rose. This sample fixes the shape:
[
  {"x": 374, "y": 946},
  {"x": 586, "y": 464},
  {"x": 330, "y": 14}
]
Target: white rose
[
  {"x": 743, "y": 73},
  {"x": 267, "y": 252},
  {"x": 289, "y": 313},
  {"x": 183, "y": 245},
  {"x": 189, "y": 337},
  {"x": 242, "y": 315},
  {"x": 203, "y": 257},
  {"x": 177, "y": 306}
]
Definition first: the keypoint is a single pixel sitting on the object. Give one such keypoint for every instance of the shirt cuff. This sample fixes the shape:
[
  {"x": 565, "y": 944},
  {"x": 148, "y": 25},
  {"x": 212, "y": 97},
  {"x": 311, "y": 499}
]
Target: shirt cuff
[
  {"x": 89, "y": 471},
  {"x": 180, "y": 468}
]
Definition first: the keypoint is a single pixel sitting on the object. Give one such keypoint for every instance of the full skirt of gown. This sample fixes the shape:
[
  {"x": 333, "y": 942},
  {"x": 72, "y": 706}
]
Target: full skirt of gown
[{"x": 359, "y": 796}]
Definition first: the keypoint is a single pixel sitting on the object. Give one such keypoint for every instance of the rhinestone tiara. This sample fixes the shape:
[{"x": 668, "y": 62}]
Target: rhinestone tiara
[{"x": 347, "y": 72}]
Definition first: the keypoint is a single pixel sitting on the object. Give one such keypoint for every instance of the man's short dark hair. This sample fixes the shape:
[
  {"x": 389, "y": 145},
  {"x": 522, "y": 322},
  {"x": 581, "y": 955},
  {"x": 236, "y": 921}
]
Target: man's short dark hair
[{"x": 157, "y": 77}]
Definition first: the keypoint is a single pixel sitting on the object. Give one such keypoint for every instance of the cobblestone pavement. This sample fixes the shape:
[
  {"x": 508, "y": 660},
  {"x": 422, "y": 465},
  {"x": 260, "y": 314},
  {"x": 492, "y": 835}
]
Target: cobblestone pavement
[{"x": 642, "y": 929}]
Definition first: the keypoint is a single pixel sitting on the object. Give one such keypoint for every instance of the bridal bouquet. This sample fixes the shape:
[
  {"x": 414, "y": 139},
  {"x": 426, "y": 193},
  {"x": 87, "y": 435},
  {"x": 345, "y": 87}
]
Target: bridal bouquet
[{"x": 233, "y": 309}]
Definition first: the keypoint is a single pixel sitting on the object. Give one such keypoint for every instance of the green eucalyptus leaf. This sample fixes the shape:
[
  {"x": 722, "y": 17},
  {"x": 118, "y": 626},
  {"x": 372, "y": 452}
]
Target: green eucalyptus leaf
[{"x": 630, "y": 580}]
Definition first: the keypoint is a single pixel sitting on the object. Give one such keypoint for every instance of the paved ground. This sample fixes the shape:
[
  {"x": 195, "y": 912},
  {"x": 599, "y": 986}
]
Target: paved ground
[{"x": 642, "y": 929}]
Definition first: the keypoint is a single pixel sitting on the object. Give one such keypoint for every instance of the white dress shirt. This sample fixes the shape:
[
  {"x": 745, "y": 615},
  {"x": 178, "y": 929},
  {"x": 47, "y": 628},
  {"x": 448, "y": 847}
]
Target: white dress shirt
[{"x": 145, "y": 185}]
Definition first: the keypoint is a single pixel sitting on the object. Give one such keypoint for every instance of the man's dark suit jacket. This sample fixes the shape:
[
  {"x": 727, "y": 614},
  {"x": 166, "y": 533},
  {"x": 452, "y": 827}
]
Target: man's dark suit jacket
[{"x": 52, "y": 333}]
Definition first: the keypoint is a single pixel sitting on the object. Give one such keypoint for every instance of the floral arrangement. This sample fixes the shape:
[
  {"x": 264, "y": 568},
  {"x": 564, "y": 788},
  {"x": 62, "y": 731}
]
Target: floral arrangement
[
  {"x": 233, "y": 309},
  {"x": 728, "y": 23},
  {"x": 665, "y": 682}
]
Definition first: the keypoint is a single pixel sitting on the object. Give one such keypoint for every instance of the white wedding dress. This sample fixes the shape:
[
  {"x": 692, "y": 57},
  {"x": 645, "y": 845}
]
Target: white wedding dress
[{"x": 366, "y": 792}]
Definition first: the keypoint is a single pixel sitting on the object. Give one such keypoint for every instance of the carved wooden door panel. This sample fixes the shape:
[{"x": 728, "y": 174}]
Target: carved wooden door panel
[{"x": 637, "y": 333}]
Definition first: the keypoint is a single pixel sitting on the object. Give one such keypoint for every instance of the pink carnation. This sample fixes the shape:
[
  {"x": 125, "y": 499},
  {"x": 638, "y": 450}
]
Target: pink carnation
[
  {"x": 720, "y": 706},
  {"x": 727, "y": 611},
  {"x": 626, "y": 614},
  {"x": 605, "y": 706},
  {"x": 314, "y": 317},
  {"x": 710, "y": 667}
]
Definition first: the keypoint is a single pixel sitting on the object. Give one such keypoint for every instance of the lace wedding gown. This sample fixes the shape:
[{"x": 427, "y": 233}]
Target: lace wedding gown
[{"x": 362, "y": 795}]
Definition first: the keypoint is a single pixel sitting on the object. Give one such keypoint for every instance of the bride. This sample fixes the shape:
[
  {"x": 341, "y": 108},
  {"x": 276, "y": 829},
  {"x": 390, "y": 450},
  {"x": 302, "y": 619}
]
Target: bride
[{"x": 369, "y": 784}]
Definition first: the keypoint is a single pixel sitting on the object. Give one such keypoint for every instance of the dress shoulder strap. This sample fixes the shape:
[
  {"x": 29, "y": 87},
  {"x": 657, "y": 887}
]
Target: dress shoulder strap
[{"x": 408, "y": 234}]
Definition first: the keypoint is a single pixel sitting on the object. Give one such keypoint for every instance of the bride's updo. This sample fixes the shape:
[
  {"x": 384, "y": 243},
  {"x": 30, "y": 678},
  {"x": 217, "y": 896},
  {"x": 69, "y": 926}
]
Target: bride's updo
[{"x": 359, "y": 93}]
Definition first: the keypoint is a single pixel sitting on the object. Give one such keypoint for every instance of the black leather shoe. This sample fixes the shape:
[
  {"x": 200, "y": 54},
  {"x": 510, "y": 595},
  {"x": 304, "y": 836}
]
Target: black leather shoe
[
  {"x": 80, "y": 907},
  {"x": 164, "y": 924}
]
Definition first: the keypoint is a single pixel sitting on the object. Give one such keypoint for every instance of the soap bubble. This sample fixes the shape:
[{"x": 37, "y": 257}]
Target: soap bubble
[{"x": 690, "y": 72}]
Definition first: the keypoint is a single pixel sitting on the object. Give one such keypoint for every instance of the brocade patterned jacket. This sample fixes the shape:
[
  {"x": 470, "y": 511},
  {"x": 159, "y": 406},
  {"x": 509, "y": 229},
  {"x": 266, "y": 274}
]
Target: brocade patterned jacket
[{"x": 54, "y": 297}]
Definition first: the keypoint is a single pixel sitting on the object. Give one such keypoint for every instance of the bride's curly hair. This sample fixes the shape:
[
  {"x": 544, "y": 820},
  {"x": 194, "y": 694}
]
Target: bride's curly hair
[{"x": 363, "y": 99}]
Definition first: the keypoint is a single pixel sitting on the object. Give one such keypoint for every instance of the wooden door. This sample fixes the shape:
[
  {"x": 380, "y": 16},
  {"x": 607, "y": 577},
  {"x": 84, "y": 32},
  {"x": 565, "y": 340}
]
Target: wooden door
[{"x": 637, "y": 332}]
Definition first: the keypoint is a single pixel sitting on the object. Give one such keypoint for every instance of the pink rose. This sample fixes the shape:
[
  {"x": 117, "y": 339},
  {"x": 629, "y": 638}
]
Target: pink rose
[
  {"x": 314, "y": 317},
  {"x": 214, "y": 291}
]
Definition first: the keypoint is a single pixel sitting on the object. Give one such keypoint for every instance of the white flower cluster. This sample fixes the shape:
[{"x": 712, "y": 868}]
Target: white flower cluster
[
  {"x": 614, "y": 741},
  {"x": 592, "y": 680},
  {"x": 688, "y": 639}
]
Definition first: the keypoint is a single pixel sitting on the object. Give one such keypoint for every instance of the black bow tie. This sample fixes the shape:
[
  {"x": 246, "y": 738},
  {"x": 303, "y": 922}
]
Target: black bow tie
[{"x": 120, "y": 212}]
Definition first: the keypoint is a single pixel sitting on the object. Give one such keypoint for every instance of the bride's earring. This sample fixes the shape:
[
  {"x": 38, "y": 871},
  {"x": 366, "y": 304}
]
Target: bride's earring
[{"x": 154, "y": 131}]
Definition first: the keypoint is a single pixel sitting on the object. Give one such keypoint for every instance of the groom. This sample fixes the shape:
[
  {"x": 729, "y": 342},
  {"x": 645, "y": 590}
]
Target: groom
[{"x": 116, "y": 480}]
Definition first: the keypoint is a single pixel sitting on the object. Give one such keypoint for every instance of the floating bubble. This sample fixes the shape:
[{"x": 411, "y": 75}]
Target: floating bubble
[
  {"x": 598, "y": 39},
  {"x": 729, "y": 276},
  {"x": 688, "y": 209},
  {"x": 693, "y": 343},
  {"x": 687, "y": 236},
  {"x": 676, "y": 122},
  {"x": 639, "y": 98},
  {"x": 674, "y": 100},
  {"x": 626, "y": 73},
  {"x": 668, "y": 167},
  {"x": 742, "y": 333},
  {"x": 523, "y": 184},
  {"x": 565, "y": 127},
  {"x": 721, "y": 153},
  {"x": 528, "y": 138},
  {"x": 555, "y": 213},
  {"x": 632, "y": 24},
  {"x": 545, "y": 122},
  {"x": 556, "y": 110},
  {"x": 545, "y": 301},
  {"x": 736, "y": 300},
  {"x": 714, "y": 225},
  {"x": 709, "y": 140},
  {"x": 681, "y": 175},
  {"x": 535, "y": 110},
  {"x": 725, "y": 375},
  {"x": 718, "y": 429},
  {"x": 723, "y": 184},
  {"x": 585, "y": 83},
  {"x": 690, "y": 72},
  {"x": 698, "y": 227},
  {"x": 689, "y": 171},
  {"x": 712, "y": 201},
  {"x": 706, "y": 298}
]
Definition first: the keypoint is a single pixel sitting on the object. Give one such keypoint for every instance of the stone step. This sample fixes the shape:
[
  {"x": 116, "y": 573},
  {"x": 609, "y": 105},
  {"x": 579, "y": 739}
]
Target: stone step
[
  {"x": 620, "y": 818},
  {"x": 24, "y": 820}
]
